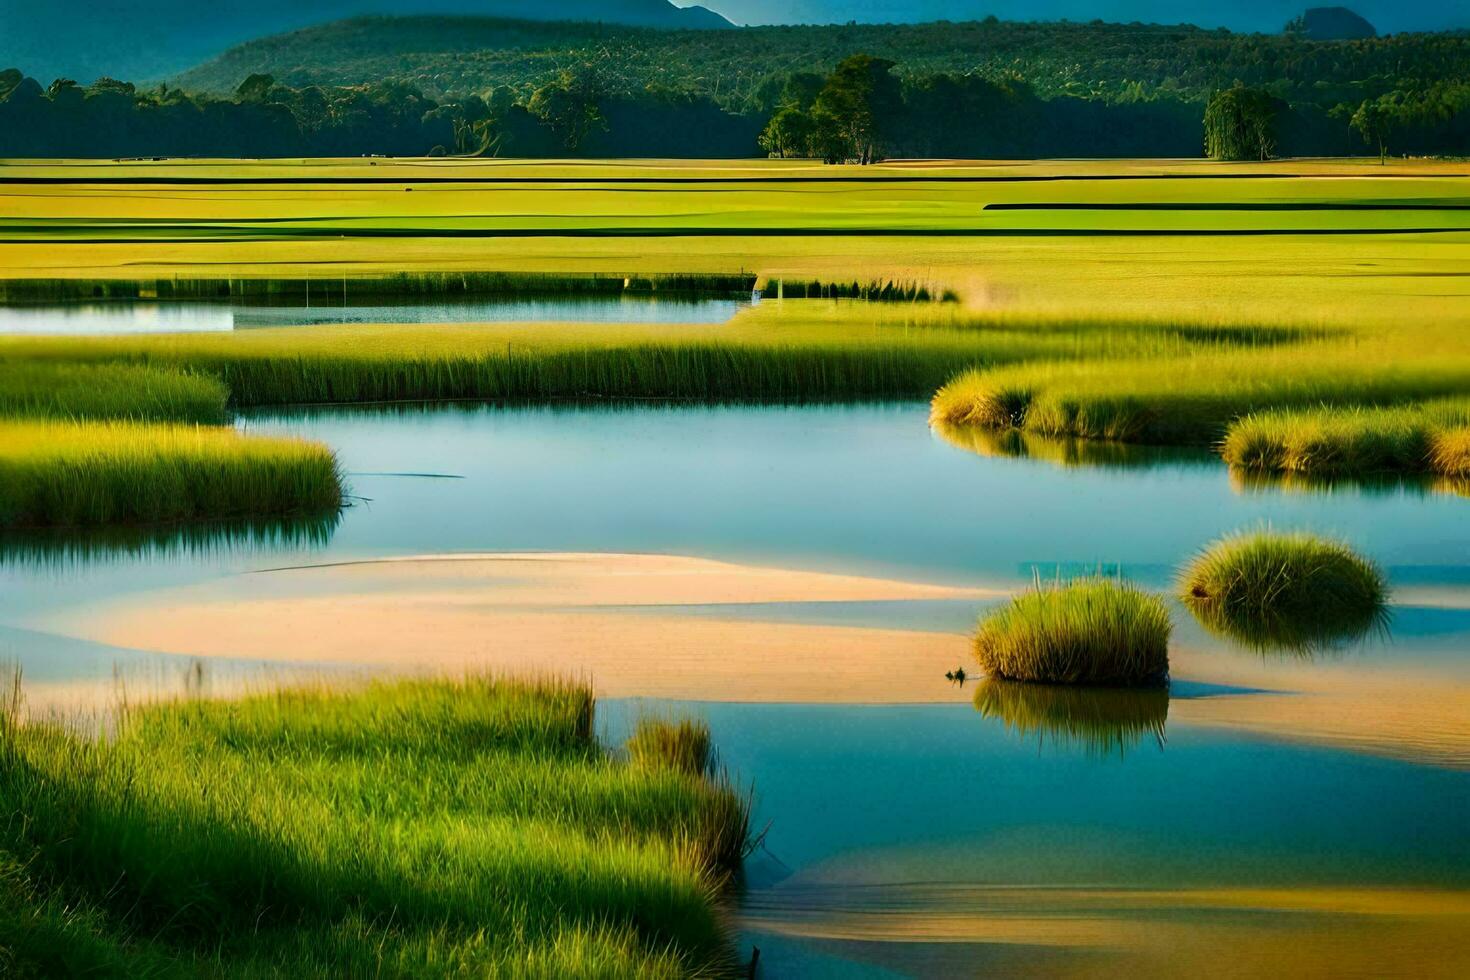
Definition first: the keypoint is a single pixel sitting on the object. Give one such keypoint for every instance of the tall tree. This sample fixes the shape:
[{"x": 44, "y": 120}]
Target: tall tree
[
  {"x": 865, "y": 100},
  {"x": 1240, "y": 124}
]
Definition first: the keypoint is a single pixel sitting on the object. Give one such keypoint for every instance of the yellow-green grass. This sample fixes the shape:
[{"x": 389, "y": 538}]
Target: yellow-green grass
[
  {"x": 1292, "y": 592},
  {"x": 110, "y": 391},
  {"x": 1089, "y": 631},
  {"x": 793, "y": 350},
  {"x": 1104, "y": 720},
  {"x": 681, "y": 744},
  {"x": 67, "y": 474},
  {"x": 1431, "y": 438},
  {"x": 418, "y": 828},
  {"x": 1194, "y": 399}
]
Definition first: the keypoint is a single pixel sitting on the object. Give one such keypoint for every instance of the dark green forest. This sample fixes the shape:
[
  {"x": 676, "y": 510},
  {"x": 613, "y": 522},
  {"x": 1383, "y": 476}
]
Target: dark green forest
[{"x": 983, "y": 89}]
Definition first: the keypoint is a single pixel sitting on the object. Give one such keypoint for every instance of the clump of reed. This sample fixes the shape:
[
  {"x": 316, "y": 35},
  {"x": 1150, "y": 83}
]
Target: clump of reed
[
  {"x": 49, "y": 389},
  {"x": 683, "y": 745},
  {"x": 425, "y": 827},
  {"x": 1292, "y": 592},
  {"x": 1188, "y": 400},
  {"x": 1432, "y": 438},
  {"x": 69, "y": 474},
  {"x": 1088, "y": 631},
  {"x": 877, "y": 291},
  {"x": 1103, "y": 720}
]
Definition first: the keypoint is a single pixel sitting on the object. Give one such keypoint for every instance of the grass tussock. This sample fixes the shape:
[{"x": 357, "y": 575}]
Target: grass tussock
[
  {"x": 66, "y": 474},
  {"x": 1190, "y": 400},
  {"x": 110, "y": 391},
  {"x": 1291, "y": 592},
  {"x": 1103, "y": 720},
  {"x": 683, "y": 745},
  {"x": 1090, "y": 631},
  {"x": 1431, "y": 438},
  {"x": 469, "y": 827}
]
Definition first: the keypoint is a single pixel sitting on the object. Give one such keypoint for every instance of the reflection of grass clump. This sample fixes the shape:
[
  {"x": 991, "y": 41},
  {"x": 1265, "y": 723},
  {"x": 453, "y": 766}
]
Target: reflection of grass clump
[
  {"x": 1064, "y": 451},
  {"x": 469, "y": 827},
  {"x": 1092, "y": 631},
  {"x": 1104, "y": 719},
  {"x": 1284, "y": 591}
]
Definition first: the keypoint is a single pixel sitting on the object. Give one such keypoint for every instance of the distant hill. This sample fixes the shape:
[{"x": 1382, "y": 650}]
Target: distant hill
[
  {"x": 151, "y": 39},
  {"x": 1331, "y": 24},
  {"x": 743, "y": 70}
]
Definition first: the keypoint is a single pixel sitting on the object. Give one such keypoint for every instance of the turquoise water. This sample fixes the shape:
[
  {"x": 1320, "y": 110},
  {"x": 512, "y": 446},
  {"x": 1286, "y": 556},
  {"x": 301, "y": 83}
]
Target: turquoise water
[{"x": 881, "y": 804}]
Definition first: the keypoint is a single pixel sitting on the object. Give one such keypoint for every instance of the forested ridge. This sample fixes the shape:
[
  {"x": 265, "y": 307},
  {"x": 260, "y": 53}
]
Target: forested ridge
[{"x": 856, "y": 92}]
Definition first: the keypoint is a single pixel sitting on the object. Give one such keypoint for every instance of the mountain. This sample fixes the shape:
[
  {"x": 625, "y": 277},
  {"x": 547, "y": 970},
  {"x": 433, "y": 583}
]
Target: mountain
[
  {"x": 1331, "y": 24},
  {"x": 152, "y": 39}
]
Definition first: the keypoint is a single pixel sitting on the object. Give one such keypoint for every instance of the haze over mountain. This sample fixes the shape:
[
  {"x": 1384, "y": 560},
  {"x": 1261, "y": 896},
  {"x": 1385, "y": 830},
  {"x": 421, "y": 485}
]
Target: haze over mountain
[{"x": 152, "y": 39}]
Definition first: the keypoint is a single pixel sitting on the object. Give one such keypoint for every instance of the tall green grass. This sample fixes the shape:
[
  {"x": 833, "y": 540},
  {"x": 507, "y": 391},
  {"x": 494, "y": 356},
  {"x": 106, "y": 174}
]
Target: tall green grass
[
  {"x": 65, "y": 474},
  {"x": 1289, "y": 592},
  {"x": 110, "y": 391},
  {"x": 1430, "y": 438},
  {"x": 1090, "y": 631},
  {"x": 1103, "y": 720},
  {"x": 796, "y": 351},
  {"x": 417, "y": 828},
  {"x": 1193, "y": 399}
]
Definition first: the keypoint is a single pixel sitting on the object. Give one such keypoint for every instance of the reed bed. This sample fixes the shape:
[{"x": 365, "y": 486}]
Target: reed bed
[
  {"x": 797, "y": 351},
  {"x": 110, "y": 391},
  {"x": 1284, "y": 592},
  {"x": 1193, "y": 399},
  {"x": 1432, "y": 438},
  {"x": 1103, "y": 720},
  {"x": 67, "y": 474},
  {"x": 1089, "y": 631},
  {"x": 425, "y": 827}
]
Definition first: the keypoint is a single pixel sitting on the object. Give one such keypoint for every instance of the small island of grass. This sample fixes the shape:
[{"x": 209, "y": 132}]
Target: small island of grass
[
  {"x": 1091, "y": 631},
  {"x": 1293, "y": 591}
]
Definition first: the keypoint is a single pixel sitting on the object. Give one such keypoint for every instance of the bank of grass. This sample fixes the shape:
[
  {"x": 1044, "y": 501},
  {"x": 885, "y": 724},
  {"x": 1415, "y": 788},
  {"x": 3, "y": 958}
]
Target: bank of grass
[
  {"x": 1432, "y": 438},
  {"x": 1193, "y": 399},
  {"x": 1089, "y": 631},
  {"x": 1276, "y": 591},
  {"x": 88, "y": 474},
  {"x": 426, "y": 827},
  {"x": 40, "y": 389},
  {"x": 796, "y": 350},
  {"x": 1104, "y": 720}
]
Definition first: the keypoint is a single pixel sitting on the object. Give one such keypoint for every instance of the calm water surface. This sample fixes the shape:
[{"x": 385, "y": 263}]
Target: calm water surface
[{"x": 939, "y": 839}]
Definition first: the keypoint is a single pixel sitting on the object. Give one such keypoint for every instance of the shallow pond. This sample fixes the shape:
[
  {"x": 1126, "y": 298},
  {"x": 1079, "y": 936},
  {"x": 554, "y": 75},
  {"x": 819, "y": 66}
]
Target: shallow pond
[
  {"x": 803, "y": 577},
  {"x": 142, "y": 316}
]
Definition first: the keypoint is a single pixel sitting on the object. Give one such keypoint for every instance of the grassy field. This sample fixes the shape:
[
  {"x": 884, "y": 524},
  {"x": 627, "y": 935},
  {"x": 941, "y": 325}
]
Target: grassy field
[
  {"x": 68, "y": 474},
  {"x": 1144, "y": 301},
  {"x": 469, "y": 827}
]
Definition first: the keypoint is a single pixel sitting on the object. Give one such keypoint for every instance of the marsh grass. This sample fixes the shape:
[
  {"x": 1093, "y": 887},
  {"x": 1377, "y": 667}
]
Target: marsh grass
[
  {"x": 110, "y": 391},
  {"x": 682, "y": 744},
  {"x": 425, "y": 827},
  {"x": 65, "y": 474},
  {"x": 796, "y": 351},
  {"x": 1429, "y": 438},
  {"x": 1103, "y": 720},
  {"x": 1089, "y": 631},
  {"x": 1284, "y": 592},
  {"x": 1193, "y": 399}
]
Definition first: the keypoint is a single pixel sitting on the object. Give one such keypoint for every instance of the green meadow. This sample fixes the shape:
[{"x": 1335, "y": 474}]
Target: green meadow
[{"x": 445, "y": 827}]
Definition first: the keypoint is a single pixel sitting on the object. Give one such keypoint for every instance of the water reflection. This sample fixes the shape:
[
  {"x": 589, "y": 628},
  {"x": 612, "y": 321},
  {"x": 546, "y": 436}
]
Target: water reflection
[
  {"x": 75, "y": 547},
  {"x": 1246, "y": 482},
  {"x": 241, "y": 313},
  {"x": 1304, "y": 634},
  {"x": 1065, "y": 452},
  {"x": 1103, "y": 720}
]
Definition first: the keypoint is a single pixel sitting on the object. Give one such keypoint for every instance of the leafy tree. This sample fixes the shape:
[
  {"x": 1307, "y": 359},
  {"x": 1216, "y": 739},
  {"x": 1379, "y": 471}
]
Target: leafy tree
[
  {"x": 1377, "y": 119},
  {"x": 1240, "y": 124},
  {"x": 788, "y": 134},
  {"x": 571, "y": 105},
  {"x": 863, "y": 99}
]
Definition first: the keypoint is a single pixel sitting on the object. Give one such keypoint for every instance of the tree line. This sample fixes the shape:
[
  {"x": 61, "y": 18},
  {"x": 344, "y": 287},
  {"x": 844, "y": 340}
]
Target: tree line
[{"x": 864, "y": 109}]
